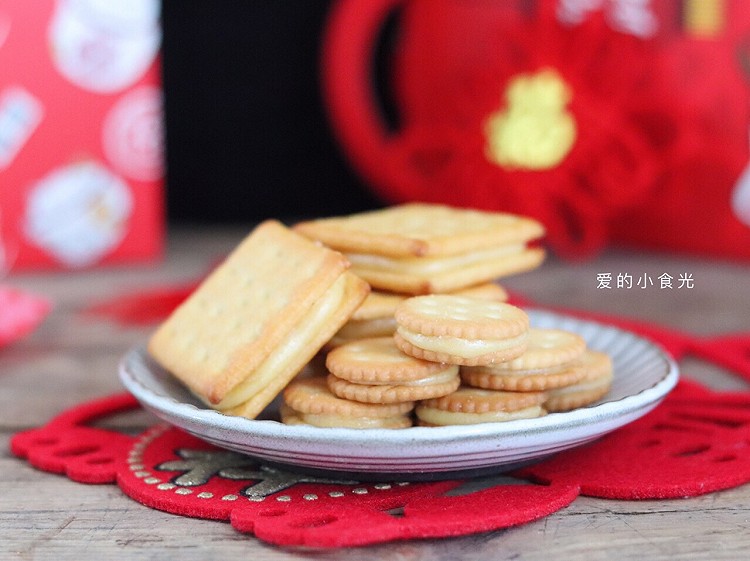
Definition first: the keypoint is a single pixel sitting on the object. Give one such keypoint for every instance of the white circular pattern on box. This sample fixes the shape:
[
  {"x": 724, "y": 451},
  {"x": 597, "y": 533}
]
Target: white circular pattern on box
[
  {"x": 104, "y": 45},
  {"x": 133, "y": 136},
  {"x": 78, "y": 213}
]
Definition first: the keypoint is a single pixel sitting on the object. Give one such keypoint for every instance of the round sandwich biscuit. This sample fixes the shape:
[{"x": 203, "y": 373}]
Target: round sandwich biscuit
[
  {"x": 374, "y": 318},
  {"x": 307, "y": 400},
  {"x": 378, "y": 361},
  {"x": 376, "y": 371},
  {"x": 595, "y": 384},
  {"x": 550, "y": 361},
  {"x": 468, "y": 406},
  {"x": 459, "y": 330}
]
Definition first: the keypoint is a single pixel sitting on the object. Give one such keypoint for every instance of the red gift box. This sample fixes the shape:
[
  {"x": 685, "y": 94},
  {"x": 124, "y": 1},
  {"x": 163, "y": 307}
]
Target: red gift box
[
  {"x": 81, "y": 133},
  {"x": 612, "y": 121}
]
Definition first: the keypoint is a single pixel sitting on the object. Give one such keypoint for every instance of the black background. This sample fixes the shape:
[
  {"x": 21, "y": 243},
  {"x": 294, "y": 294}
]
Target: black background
[{"x": 247, "y": 134}]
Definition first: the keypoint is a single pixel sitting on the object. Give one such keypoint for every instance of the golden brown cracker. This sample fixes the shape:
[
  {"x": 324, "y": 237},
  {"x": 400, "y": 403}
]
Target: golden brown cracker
[
  {"x": 309, "y": 400},
  {"x": 489, "y": 378},
  {"x": 551, "y": 360},
  {"x": 435, "y": 386},
  {"x": 378, "y": 361},
  {"x": 305, "y": 342},
  {"x": 459, "y": 316},
  {"x": 354, "y": 330},
  {"x": 380, "y": 304},
  {"x": 472, "y": 405},
  {"x": 375, "y": 317},
  {"x": 375, "y": 371},
  {"x": 594, "y": 385},
  {"x": 547, "y": 348},
  {"x": 443, "y": 275},
  {"x": 291, "y": 417},
  {"x": 248, "y": 309},
  {"x": 460, "y": 330},
  {"x": 420, "y": 229}
]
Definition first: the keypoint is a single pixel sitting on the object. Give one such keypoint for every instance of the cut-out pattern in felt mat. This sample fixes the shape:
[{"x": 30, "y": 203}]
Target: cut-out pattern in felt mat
[
  {"x": 168, "y": 469},
  {"x": 697, "y": 441}
]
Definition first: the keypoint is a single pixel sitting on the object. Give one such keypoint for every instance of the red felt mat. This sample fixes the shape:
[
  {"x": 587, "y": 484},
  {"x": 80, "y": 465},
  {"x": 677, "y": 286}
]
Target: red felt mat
[{"x": 697, "y": 441}]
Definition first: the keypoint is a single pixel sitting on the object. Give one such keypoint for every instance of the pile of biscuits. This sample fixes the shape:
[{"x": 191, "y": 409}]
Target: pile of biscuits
[{"x": 378, "y": 320}]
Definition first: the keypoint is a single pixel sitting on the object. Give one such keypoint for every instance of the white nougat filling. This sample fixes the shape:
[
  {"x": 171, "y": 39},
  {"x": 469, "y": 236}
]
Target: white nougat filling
[
  {"x": 502, "y": 370},
  {"x": 288, "y": 351},
  {"x": 440, "y": 417},
  {"x": 364, "y": 328},
  {"x": 460, "y": 347},
  {"x": 331, "y": 421},
  {"x": 581, "y": 387},
  {"x": 443, "y": 376},
  {"x": 430, "y": 265}
]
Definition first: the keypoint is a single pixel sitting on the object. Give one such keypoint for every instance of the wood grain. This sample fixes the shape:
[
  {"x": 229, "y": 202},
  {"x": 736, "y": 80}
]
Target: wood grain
[{"x": 73, "y": 358}]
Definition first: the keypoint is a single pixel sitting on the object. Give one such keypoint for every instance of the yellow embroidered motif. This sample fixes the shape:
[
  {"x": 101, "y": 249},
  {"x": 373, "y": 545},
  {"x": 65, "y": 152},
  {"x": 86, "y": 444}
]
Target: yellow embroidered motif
[
  {"x": 704, "y": 18},
  {"x": 534, "y": 131}
]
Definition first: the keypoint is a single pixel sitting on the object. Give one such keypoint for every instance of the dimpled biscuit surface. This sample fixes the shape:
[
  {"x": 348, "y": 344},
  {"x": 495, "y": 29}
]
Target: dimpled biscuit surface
[
  {"x": 248, "y": 309},
  {"x": 420, "y": 229}
]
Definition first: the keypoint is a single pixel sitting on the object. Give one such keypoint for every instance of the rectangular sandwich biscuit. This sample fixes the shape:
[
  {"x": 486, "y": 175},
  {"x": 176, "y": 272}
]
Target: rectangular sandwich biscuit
[
  {"x": 421, "y": 230},
  {"x": 423, "y": 248},
  {"x": 257, "y": 319},
  {"x": 427, "y": 275}
]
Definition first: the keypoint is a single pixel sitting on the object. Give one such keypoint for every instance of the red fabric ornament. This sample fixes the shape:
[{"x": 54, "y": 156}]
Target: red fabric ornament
[
  {"x": 440, "y": 154},
  {"x": 148, "y": 305},
  {"x": 661, "y": 107},
  {"x": 701, "y": 142},
  {"x": 673, "y": 213},
  {"x": 144, "y": 307}
]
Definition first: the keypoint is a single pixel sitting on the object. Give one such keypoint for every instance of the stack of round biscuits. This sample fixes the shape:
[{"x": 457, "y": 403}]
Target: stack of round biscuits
[
  {"x": 508, "y": 369},
  {"x": 436, "y": 342}
]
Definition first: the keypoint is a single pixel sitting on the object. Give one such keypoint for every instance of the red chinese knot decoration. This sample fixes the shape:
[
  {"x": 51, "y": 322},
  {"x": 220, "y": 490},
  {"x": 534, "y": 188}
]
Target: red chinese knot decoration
[{"x": 606, "y": 121}]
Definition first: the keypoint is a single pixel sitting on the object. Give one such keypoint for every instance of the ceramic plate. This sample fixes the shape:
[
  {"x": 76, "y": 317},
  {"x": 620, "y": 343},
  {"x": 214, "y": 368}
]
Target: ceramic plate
[{"x": 643, "y": 375}]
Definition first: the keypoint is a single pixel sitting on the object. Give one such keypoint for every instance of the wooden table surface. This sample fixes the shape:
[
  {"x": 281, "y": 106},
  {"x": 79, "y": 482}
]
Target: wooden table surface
[{"x": 72, "y": 358}]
